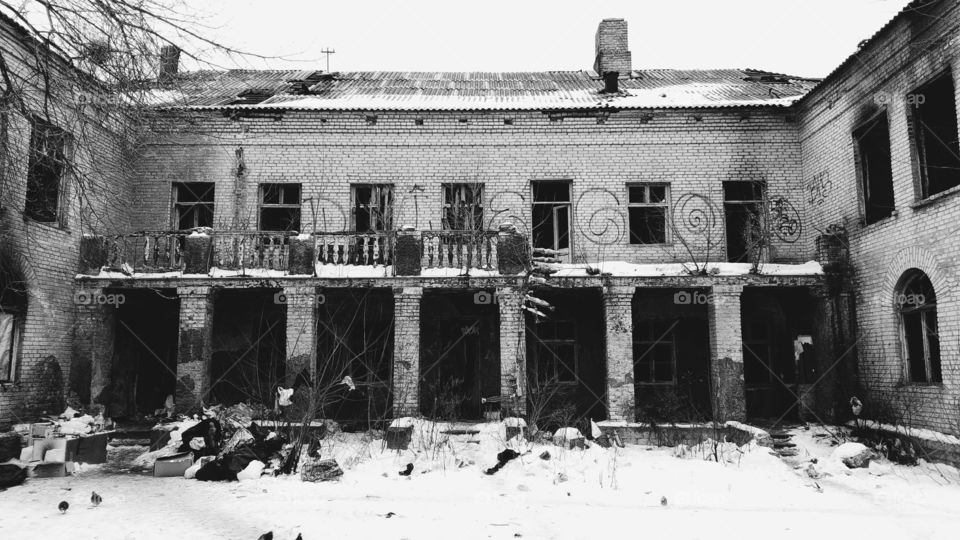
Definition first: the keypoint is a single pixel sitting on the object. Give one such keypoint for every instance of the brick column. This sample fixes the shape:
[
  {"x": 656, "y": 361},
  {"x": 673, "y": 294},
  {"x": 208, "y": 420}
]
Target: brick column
[
  {"x": 301, "y": 327},
  {"x": 406, "y": 351},
  {"x": 835, "y": 359},
  {"x": 618, "y": 316},
  {"x": 726, "y": 353},
  {"x": 513, "y": 352},
  {"x": 93, "y": 347},
  {"x": 194, "y": 349}
]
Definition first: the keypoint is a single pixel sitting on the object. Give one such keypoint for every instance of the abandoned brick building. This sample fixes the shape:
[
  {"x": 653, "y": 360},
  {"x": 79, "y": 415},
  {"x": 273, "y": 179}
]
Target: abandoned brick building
[{"x": 616, "y": 243}]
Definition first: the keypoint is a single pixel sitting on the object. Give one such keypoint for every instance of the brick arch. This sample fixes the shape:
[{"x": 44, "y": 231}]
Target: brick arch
[{"x": 923, "y": 260}]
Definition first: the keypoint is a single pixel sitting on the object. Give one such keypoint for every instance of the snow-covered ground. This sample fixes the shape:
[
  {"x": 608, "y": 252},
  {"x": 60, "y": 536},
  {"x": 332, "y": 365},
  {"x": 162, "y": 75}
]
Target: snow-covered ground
[{"x": 590, "y": 493}]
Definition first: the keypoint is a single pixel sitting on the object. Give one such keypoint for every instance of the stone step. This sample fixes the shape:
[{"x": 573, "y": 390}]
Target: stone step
[
  {"x": 783, "y": 444},
  {"x": 787, "y": 452}
]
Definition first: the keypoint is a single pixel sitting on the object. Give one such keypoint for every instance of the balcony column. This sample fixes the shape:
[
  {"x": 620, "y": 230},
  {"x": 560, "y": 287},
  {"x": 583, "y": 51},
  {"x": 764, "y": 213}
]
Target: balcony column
[
  {"x": 728, "y": 394},
  {"x": 301, "y": 331},
  {"x": 513, "y": 352},
  {"x": 406, "y": 351},
  {"x": 618, "y": 318},
  {"x": 194, "y": 350},
  {"x": 93, "y": 343}
]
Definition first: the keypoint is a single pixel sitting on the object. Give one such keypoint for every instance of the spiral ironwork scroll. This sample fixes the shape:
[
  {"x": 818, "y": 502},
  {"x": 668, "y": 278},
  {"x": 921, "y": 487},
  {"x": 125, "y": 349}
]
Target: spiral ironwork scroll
[
  {"x": 501, "y": 212},
  {"x": 605, "y": 226},
  {"x": 695, "y": 215}
]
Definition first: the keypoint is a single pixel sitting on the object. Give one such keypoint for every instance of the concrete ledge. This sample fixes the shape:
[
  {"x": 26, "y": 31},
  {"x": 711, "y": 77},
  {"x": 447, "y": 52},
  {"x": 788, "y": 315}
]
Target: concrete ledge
[{"x": 674, "y": 434}]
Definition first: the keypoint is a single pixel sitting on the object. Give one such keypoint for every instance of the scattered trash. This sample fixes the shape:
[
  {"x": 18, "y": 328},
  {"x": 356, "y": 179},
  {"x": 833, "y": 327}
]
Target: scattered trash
[
  {"x": 389, "y": 515},
  {"x": 323, "y": 470},
  {"x": 545, "y": 455},
  {"x": 853, "y": 455},
  {"x": 95, "y": 499},
  {"x": 63, "y": 506},
  {"x": 407, "y": 470},
  {"x": 560, "y": 478},
  {"x": 502, "y": 459},
  {"x": 663, "y": 501},
  {"x": 252, "y": 471},
  {"x": 266, "y": 536}
]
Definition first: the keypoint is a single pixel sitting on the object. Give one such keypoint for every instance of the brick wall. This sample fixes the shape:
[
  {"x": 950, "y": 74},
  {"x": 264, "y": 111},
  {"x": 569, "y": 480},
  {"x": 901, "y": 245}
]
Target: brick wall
[
  {"x": 922, "y": 236},
  {"x": 406, "y": 351},
  {"x": 93, "y": 199},
  {"x": 618, "y": 317}
]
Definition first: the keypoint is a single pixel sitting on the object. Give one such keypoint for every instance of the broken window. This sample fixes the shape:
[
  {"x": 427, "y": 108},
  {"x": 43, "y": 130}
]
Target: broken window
[
  {"x": 372, "y": 207},
  {"x": 875, "y": 167},
  {"x": 551, "y": 215},
  {"x": 647, "y": 211},
  {"x": 555, "y": 353},
  {"x": 45, "y": 171},
  {"x": 193, "y": 204},
  {"x": 9, "y": 338},
  {"x": 280, "y": 207},
  {"x": 934, "y": 124},
  {"x": 917, "y": 303},
  {"x": 743, "y": 202},
  {"x": 655, "y": 352},
  {"x": 462, "y": 207}
]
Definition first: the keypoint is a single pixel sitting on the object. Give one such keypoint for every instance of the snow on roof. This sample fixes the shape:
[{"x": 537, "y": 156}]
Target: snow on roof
[{"x": 552, "y": 90}]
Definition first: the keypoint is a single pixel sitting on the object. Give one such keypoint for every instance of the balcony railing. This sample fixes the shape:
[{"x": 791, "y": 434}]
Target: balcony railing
[{"x": 404, "y": 252}]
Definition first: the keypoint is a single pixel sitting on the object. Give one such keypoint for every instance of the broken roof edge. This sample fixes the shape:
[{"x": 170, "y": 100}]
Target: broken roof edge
[{"x": 545, "y": 110}]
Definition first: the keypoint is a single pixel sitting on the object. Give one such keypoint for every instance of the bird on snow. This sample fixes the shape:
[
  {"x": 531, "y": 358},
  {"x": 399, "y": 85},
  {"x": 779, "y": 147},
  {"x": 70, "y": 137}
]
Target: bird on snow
[
  {"x": 96, "y": 499},
  {"x": 63, "y": 506},
  {"x": 266, "y": 536},
  {"x": 408, "y": 470},
  {"x": 663, "y": 501}
]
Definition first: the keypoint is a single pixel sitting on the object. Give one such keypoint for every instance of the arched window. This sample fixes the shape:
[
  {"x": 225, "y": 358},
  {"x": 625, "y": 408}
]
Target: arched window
[{"x": 917, "y": 303}]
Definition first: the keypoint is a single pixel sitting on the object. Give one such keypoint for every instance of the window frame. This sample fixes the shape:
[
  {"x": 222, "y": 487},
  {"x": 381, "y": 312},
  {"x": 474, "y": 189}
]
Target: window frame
[
  {"x": 59, "y": 210},
  {"x": 859, "y": 132},
  {"x": 177, "y": 204},
  {"x": 377, "y": 191},
  {"x": 566, "y": 206},
  {"x": 763, "y": 207},
  {"x": 643, "y": 344},
  {"x": 918, "y": 150},
  {"x": 546, "y": 343},
  {"x": 926, "y": 310},
  {"x": 15, "y": 344},
  {"x": 478, "y": 203},
  {"x": 261, "y": 205},
  {"x": 665, "y": 204}
]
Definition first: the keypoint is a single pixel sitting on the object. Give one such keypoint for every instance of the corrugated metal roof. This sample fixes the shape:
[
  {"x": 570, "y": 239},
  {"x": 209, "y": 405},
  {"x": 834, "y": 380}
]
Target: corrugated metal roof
[{"x": 313, "y": 90}]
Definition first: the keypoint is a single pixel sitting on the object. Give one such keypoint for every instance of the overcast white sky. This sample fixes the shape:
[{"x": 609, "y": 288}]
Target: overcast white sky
[{"x": 799, "y": 37}]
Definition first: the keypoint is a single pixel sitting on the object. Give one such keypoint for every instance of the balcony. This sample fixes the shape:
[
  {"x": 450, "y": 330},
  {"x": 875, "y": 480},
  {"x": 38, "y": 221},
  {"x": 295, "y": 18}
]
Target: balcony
[{"x": 269, "y": 253}]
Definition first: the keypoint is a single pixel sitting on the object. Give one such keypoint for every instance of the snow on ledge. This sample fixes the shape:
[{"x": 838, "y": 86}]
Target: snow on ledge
[
  {"x": 918, "y": 433},
  {"x": 625, "y": 269}
]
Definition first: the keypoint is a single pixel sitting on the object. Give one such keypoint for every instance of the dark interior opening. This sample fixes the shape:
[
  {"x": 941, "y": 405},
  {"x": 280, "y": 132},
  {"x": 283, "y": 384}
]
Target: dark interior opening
[
  {"x": 934, "y": 123},
  {"x": 355, "y": 339},
  {"x": 671, "y": 351},
  {"x": 144, "y": 369},
  {"x": 566, "y": 360},
  {"x": 876, "y": 169},
  {"x": 772, "y": 321},
  {"x": 459, "y": 354},
  {"x": 743, "y": 212},
  {"x": 249, "y": 346}
]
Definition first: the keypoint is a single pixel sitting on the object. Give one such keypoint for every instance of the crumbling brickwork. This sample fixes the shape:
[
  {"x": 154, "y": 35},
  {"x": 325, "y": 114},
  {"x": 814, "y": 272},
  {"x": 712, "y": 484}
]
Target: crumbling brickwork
[
  {"x": 194, "y": 351},
  {"x": 406, "y": 351},
  {"x": 618, "y": 317},
  {"x": 301, "y": 332},
  {"x": 513, "y": 350},
  {"x": 726, "y": 353}
]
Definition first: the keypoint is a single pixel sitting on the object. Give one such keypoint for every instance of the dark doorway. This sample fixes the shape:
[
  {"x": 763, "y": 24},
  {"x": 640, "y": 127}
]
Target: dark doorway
[
  {"x": 774, "y": 321},
  {"x": 671, "y": 351},
  {"x": 355, "y": 339},
  {"x": 145, "y": 355},
  {"x": 249, "y": 345},
  {"x": 459, "y": 354},
  {"x": 566, "y": 366}
]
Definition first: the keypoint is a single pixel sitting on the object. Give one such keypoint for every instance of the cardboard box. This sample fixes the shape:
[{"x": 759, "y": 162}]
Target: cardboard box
[
  {"x": 49, "y": 469},
  {"x": 68, "y": 445},
  {"x": 92, "y": 448},
  {"x": 42, "y": 430},
  {"x": 174, "y": 465}
]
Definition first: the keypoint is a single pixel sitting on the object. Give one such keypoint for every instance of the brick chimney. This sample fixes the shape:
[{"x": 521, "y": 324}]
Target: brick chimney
[
  {"x": 612, "y": 53},
  {"x": 169, "y": 61}
]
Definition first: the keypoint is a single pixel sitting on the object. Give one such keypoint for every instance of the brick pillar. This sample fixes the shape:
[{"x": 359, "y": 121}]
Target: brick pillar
[
  {"x": 406, "y": 351},
  {"x": 726, "y": 353},
  {"x": 835, "y": 360},
  {"x": 513, "y": 352},
  {"x": 194, "y": 349},
  {"x": 301, "y": 326},
  {"x": 93, "y": 347},
  {"x": 618, "y": 316}
]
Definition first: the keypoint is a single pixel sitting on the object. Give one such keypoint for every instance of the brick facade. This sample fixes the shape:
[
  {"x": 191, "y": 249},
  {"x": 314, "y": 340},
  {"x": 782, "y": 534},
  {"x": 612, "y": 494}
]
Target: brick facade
[
  {"x": 618, "y": 319},
  {"x": 301, "y": 332}
]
